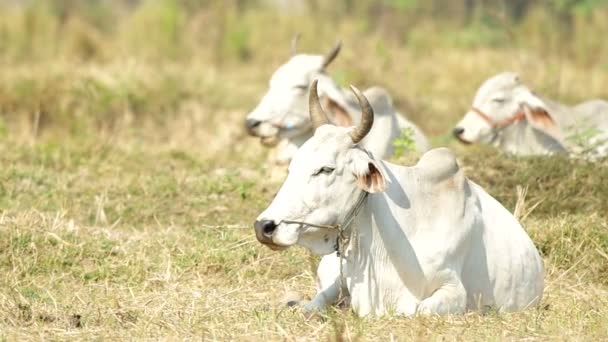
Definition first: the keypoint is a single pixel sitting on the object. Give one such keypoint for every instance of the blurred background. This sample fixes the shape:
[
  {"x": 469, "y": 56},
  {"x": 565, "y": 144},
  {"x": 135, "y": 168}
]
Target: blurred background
[{"x": 169, "y": 70}]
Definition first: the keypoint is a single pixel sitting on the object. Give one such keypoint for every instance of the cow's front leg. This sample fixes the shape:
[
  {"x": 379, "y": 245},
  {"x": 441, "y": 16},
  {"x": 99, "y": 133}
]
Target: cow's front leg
[
  {"x": 322, "y": 299},
  {"x": 449, "y": 298},
  {"x": 328, "y": 283}
]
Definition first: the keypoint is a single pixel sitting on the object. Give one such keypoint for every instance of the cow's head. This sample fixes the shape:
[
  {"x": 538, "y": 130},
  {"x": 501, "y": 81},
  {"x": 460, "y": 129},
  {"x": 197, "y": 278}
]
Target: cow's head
[
  {"x": 326, "y": 176},
  {"x": 500, "y": 102},
  {"x": 283, "y": 111}
]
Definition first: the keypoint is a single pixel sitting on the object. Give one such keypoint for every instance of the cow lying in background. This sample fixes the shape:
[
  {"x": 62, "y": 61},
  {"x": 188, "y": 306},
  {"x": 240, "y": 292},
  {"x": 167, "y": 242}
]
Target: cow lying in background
[
  {"x": 282, "y": 118},
  {"x": 508, "y": 115},
  {"x": 421, "y": 239}
]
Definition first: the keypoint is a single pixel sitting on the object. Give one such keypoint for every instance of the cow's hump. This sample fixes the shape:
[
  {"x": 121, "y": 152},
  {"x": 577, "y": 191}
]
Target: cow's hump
[{"x": 438, "y": 165}]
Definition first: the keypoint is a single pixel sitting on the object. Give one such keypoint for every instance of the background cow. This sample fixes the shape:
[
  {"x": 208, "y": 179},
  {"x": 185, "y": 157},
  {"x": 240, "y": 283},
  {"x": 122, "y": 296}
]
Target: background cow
[
  {"x": 423, "y": 239},
  {"x": 282, "y": 118},
  {"x": 507, "y": 114}
]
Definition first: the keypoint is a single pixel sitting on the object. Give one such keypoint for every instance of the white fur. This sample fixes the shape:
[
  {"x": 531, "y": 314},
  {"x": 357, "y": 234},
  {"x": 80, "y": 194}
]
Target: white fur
[{"x": 432, "y": 243}]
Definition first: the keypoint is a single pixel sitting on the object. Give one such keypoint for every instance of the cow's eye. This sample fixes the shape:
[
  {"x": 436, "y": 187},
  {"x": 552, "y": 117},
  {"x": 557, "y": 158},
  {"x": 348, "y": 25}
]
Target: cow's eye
[
  {"x": 325, "y": 169},
  {"x": 301, "y": 87},
  {"x": 498, "y": 100}
]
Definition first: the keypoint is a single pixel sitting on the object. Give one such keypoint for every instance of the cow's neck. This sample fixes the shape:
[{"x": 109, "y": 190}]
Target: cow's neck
[
  {"x": 522, "y": 139},
  {"x": 562, "y": 114},
  {"x": 381, "y": 277},
  {"x": 300, "y": 139}
]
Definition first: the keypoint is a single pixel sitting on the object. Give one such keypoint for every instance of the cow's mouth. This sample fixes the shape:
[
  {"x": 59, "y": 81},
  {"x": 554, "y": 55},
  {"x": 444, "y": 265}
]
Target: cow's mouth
[
  {"x": 275, "y": 247},
  {"x": 462, "y": 140}
]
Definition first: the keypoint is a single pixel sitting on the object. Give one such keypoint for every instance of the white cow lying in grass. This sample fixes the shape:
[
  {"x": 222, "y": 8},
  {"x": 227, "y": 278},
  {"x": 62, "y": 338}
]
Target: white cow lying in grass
[
  {"x": 508, "y": 115},
  {"x": 421, "y": 239},
  {"x": 282, "y": 114}
]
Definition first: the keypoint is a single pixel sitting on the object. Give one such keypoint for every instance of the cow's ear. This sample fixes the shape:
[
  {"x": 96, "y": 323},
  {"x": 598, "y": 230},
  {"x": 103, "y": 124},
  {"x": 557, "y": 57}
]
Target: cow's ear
[
  {"x": 334, "y": 101},
  {"x": 371, "y": 179},
  {"x": 538, "y": 114},
  {"x": 338, "y": 114},
  {"x": 540, "y": 119}
]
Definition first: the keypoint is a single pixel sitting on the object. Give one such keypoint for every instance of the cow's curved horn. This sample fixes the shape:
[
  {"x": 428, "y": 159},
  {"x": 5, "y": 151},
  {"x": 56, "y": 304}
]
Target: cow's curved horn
[
  {"x": 294, "y": 44},
  {"x": 367, "y": 117},
  {"x": 317, "y": 115},
  {"x": 332, "y": 54}
]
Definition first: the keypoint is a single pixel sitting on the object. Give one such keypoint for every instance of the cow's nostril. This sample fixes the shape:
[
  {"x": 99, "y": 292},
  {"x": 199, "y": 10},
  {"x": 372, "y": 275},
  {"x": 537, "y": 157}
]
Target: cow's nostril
[
  {"x": 265, "y": 228},
  {"x": 268, "y": 227},
  {"x": 252, "y": 123},
  {"x": 457, "y": 131}
]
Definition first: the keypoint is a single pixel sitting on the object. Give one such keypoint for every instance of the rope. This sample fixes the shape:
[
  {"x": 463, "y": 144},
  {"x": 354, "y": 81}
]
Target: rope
[
  {"x": 499, "y": 125},
  {"x": 342, "y": 241}
]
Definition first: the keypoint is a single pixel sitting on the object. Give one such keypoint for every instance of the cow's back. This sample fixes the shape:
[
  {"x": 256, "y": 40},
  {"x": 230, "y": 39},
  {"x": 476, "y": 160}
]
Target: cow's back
[{"x": 593, "y": 113}]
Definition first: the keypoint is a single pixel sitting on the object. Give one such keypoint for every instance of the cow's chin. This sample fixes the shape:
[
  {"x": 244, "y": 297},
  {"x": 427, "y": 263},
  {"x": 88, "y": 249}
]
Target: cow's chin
[
  {"x": 319, "y": 246},
  {"x": 276, "y": 247},
  {"x": 270, "y": 141}
]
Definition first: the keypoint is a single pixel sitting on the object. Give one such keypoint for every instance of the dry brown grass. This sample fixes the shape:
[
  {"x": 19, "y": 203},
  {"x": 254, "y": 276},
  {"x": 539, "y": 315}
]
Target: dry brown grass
[
  {"x": 177, "y": 275},
  {"x": 124, "y": 239}
]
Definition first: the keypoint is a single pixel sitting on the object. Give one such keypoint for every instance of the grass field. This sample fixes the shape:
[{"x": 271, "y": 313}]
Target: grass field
[{"x": 128, "y": 187}]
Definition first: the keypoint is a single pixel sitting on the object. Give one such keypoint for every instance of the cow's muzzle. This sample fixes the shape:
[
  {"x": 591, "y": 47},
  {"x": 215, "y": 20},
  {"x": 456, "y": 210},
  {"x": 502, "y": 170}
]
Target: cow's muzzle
[
  {"x": 457, "y": 132},
  {"x": 268, "y": 134},
  {"x": 263, "y": 232},
  {"x": 251, "y": 125}
]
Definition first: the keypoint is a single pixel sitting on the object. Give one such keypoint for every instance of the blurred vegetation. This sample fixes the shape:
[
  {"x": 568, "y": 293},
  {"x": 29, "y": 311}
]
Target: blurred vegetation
[
  {"x": 555, "y": 185},
  {"x": 218, "y": 30},
  {"x": 86, "y": 65}
]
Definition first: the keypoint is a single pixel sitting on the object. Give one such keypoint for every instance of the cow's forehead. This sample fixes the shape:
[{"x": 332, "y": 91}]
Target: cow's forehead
[
  {"x": 296, "y": 71},
  {"x": 327, "y": 142},
  {"x": 501, "y": 83},
  {"x": 331, "y": 135}
]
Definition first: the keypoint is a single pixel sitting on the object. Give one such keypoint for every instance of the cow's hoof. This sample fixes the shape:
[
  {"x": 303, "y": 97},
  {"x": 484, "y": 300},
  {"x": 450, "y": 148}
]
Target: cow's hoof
[
  {"x": 293, "y": 303},
  {"x": 314, "y": 314},
  {"x": 292, "y": 299}
]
